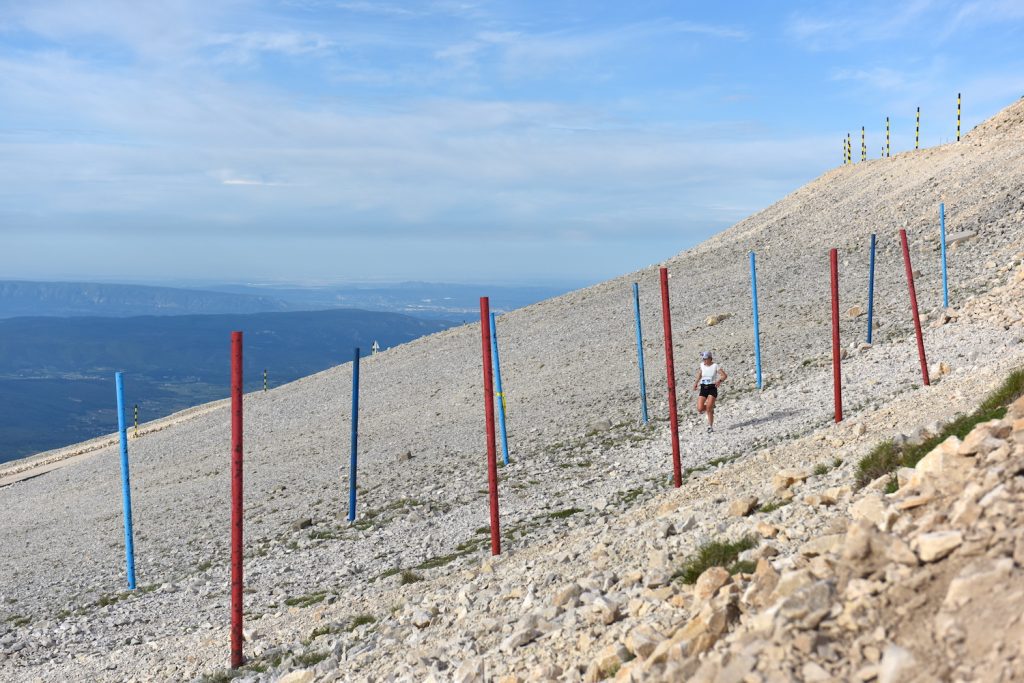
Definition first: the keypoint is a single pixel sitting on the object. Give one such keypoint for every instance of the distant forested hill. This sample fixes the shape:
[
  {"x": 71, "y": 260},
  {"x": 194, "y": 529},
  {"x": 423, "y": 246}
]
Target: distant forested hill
[
  {"x": 56, "y": 374},
  {"x": 22, "y": 298}
]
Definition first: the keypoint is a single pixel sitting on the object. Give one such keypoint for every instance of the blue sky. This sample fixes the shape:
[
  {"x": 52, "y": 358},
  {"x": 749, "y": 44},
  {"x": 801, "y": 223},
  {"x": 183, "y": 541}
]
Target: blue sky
[{"x": 449, "y": 140}]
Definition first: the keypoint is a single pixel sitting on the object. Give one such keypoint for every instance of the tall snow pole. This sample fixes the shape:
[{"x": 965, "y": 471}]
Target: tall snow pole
[
  {"x": 236, "y": 500},
  {"x": 958, "y": 117},
  {"x": 917, "y": 130},
  {"x": 871, "y": 286},
  {"x": 942, "y": 242},
  {"x": 913, "y": 308},
  {"x": 837, "y": 376},
  {"x": 353, "y": 460},
  {"x": 757, "y": 328},
  {"x": 126, "y": 486},
  {"x": 492, "y": 466},
  {"x": 670, "y": 371},
  {"x": 640, "y": 353},
  {"x": 500, "y": 395}
]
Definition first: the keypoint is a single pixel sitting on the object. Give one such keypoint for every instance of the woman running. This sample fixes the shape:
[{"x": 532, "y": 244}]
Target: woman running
[{"x": 709, "y": 377}]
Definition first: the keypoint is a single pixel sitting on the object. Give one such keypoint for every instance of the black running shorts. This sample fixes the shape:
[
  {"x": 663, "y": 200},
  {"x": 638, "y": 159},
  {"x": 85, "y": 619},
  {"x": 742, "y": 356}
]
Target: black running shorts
[{"x": 708, "y": 390}]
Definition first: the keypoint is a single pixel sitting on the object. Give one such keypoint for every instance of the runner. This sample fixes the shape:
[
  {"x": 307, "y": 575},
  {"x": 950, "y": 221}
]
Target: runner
[{"x": 709, "y": 376}]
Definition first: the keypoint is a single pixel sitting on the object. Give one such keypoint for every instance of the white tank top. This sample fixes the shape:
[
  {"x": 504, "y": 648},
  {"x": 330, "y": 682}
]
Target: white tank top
[{"x": 708, "y": 373}]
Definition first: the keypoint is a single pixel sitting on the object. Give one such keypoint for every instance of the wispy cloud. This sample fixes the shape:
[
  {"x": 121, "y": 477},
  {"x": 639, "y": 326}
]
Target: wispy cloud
[
  {"x": 848, "y": 27},
  {"x": 523, "y": 53},
  {"x": 243, "y": 48}
]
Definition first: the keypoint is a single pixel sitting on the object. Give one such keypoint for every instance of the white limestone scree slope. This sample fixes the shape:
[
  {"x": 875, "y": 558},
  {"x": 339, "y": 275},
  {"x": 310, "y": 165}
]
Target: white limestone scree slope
[{"x": 581, "y": 466}]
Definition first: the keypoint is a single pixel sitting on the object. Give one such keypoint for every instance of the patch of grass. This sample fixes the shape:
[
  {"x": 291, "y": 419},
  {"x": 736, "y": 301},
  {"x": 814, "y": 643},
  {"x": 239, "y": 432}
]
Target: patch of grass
[
  {"x": 389, "y": 572},
  {"x": 887, "y": 457},
  {"x": 627, "y": 497},
  {"x": 441, "y": 561},
  {"x": 893, "y": 485},
  {"x": 327, "y": 630},
  {"x": 310, "y": 659},
  {"x": 715, "y": 554},
  {"x": 743, "y": 567},
  {"x": 485, "y": 530},
  {"x": 306, "y": 600},
  {"x": 408, "y": 577},
  {"x": 610, "y": 671},
  {"x": 204, "y": 565},
  {"x": 361, "y": 620},
  {"x": 18, "y": 620},
  {"x": 111, "y": 599},
  {"x": 222, "y": 676},
  {"x": 562, "y": 514},
  {"x": 322, "y": 535},
  {"x": 771, "y": 506},
  {"x": 820, "y": 469}
]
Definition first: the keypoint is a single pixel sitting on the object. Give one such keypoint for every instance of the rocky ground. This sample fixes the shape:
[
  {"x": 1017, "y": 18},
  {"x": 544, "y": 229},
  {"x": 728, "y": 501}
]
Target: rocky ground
[{"x": 592, "y": 531}]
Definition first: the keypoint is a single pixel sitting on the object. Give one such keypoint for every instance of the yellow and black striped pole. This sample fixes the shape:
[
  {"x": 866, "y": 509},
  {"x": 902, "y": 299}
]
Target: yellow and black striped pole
[
  {"x": 887, "y": 148},
  {"x": 264, "y": 380},
  {"x": 958, "y": 117},
  {"x": 917, "y": 130},
  {"x": 849, "y": 148},
  {"x": 136, "y": 419},
  {"x": 863, "y": 145}
]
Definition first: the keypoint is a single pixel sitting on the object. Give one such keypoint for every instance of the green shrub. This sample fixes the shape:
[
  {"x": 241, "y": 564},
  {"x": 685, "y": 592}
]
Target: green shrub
[
  {"x": 715, "y": 554},
  {"x": 887, "y": 457},
  {"x": 408, "y": 577}
]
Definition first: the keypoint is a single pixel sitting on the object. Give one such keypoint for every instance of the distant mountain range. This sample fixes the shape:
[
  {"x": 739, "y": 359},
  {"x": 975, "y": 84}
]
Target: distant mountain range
[
  {"x": 21, "y": 298},
  {"x": 56, "y": 374},
  {"x": 456, "y": 302}
]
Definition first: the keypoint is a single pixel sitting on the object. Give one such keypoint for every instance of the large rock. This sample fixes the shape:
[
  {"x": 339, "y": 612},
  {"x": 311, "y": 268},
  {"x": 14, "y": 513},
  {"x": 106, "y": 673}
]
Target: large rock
[
  {"x": 566, "y": 595},
  {"x": 957, "y": 237},
  {"x": 713, "y": 320},
  {"x": 820, "y": 545},
  {"x": 936, "y": 545},
  {"x": 741, "y": 507},
  {"x": 783, "y": 479},
  {"x": 897, "y": 665},
  {"x": 873, "y": 508},
  {"x": 807, "y": 607},
  {"x": 299, "y": 676},
  {"x": 519, "y": 638},
  {"x": 978, "y": 582},
  {"x": 710, "y": 581},
  {"x": 642, "y": 640}
]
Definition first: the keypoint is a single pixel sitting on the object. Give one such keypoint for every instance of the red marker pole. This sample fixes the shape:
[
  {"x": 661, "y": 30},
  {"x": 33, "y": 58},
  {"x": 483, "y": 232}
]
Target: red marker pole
[
  {"x": 236, "y": 500},
  {"x": 913, "y": 307},
  {"x": 837, "y": 375},
  {"x": 666, "y": 315},
  {"x": 492, "y": 455}
]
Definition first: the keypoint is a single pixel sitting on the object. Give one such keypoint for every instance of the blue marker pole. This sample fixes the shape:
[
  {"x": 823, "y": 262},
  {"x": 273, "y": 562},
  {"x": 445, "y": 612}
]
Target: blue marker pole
[
  {"x": 501, "y": 393},
  {"x": 757, "y": 328},
  {"x": 353, "y": 458},
  {"x": 126, "y": 487},
  {"x": 871, "y": 287},
  {"x": 942, "y": 236},
  {"x": 640, "y": 352}
]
